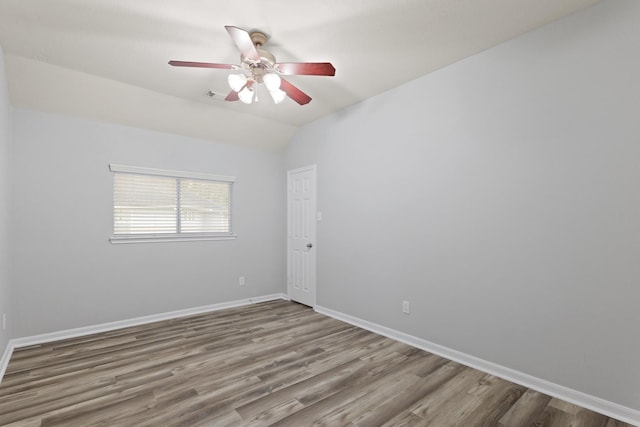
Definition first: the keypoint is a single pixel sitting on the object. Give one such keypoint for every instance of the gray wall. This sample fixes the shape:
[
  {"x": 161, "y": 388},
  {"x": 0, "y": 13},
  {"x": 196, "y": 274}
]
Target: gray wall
[
  {"x": 5, "y": 207},
  {"x": 500, "y": 197},
  {"x": 68, "y": 275}
]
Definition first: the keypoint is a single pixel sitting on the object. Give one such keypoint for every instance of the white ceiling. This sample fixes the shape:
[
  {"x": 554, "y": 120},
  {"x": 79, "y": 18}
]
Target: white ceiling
[{"x": 107, "y": 59}]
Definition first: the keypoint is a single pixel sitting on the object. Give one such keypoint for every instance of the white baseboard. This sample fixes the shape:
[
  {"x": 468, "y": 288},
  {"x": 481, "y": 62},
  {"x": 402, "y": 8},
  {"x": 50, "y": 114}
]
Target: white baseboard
[
  {"x": 105, "y": 327},
  {"x": 4, "y": 362},
  {"x": 593, "y": 403}
]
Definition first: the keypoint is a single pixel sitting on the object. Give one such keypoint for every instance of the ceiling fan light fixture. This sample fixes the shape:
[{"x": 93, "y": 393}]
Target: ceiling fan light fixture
[
  {"x": 272, "y": 81},
  {"x": 237, "y": 81},
  {"x": 278, "y": 95},
  {"x": 246, "y": 95}
]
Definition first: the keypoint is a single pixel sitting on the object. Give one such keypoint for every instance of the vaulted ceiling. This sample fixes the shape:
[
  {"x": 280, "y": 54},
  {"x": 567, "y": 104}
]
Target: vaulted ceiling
[{"x": 107, "y": 59}]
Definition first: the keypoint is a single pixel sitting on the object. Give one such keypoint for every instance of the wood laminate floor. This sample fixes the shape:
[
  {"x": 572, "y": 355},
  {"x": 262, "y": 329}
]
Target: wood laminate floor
[{"x": 277, "y": 363}]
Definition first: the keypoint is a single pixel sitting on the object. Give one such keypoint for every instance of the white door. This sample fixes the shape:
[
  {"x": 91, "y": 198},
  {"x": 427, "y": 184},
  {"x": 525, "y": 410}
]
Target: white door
[{"x": 301, "y": 235}]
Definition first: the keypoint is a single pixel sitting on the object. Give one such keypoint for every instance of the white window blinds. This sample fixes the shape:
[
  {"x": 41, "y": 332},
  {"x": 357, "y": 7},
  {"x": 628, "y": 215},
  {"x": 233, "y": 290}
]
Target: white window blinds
[{"x": 153, "y": 203}]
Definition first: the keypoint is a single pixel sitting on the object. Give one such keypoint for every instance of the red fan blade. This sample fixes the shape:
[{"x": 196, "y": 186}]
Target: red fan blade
[
  {"x": 242, "y": 39},
  {"x": 294, "y": 93},
  {"x": 306, "y": 68},
  {"x": 233, "y": 96},
  {"x": 200, "y": 64}
]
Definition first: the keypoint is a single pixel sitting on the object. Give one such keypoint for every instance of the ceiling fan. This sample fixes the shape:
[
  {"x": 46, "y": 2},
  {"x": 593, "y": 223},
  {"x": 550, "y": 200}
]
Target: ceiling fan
[{"x": 259, "y": 66}]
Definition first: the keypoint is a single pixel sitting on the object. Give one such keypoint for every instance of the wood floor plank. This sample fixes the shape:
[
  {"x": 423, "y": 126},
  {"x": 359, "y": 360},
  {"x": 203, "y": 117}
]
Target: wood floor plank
[
  {"x": 376, "y": 406},
  {"x": 277, "y": 363},
  {"x": 553, "y": 417},
  {"x": 324, "y": 381},
  {"x": 452, "y": 402},
  {"x": 405, "y": 419},
  {"x": 455, "y": 390},
  {"x": 94, "y": 412},
  {"x": 525, "y": 410},
  {"x": 495, "y": 403},
  {"x": 270, "y": 415},
  {"x": 339, "y": 408}
]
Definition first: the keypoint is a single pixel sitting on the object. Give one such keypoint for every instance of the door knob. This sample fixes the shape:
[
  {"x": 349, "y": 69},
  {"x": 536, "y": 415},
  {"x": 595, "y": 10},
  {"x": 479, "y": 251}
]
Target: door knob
[{"x": 309, "y": 245}]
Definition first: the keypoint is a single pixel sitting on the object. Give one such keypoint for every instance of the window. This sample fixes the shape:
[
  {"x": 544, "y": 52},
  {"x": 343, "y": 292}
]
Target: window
[{"x": 162, "y": 205}]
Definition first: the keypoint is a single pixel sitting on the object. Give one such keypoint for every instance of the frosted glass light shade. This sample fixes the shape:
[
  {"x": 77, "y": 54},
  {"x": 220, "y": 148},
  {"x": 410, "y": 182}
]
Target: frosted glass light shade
[
  {"x": 237, "y": 81},
  {"x": 271, "y": 81},
  {"x": 246, "y": 95},
  {"x": 278, "y": 95}
]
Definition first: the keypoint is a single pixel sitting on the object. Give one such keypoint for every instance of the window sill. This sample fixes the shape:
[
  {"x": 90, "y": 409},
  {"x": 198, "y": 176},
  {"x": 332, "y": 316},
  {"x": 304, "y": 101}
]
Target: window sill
[{"x": 163, "y": 239}]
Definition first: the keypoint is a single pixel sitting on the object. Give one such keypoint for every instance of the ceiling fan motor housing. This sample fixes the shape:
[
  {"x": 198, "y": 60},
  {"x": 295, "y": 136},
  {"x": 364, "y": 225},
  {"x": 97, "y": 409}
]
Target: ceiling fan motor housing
[
  {"x": 258, "y": 38},
  {"x": 267, "y": 60}
]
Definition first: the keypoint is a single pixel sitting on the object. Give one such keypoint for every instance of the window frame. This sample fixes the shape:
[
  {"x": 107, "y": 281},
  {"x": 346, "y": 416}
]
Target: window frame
[{"x": 172, "y": 237}]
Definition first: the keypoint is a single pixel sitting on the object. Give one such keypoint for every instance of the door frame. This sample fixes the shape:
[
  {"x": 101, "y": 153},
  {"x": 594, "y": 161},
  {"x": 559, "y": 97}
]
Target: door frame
[{"x": 314, "y": 232}]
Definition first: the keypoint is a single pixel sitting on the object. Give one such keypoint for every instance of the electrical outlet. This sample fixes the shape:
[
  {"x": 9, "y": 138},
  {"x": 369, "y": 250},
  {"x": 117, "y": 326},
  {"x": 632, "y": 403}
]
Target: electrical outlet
[
  {"x": 405, "y": 307},
  {"x": 4, "y": 321},
  {"x": 241, "y": 281}
]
